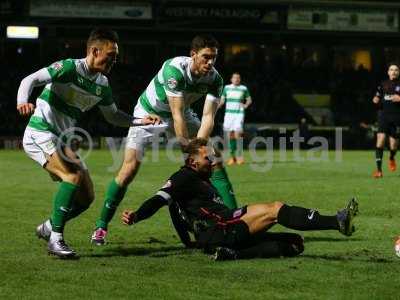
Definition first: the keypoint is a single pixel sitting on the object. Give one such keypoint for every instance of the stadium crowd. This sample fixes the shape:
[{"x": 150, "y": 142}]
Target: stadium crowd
[{"x": 272, "y": 80}]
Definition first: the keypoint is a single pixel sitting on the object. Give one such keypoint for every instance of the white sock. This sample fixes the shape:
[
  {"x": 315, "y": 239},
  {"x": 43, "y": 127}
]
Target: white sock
[
  {"x": 48, "y": 225},
  {"x": 56, "y": 236}
]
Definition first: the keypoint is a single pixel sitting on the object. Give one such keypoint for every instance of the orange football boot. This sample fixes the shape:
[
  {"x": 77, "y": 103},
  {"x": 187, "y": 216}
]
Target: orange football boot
[
  {"x": 377, "y": 174},
  {"x": 231, "y": 161},
  {"x": 240, "y": 161},
  {"x": 392, "y": 165}
]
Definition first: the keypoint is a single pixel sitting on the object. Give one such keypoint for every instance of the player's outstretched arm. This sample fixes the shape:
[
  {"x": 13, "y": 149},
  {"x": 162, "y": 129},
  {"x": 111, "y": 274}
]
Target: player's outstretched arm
[
  {"x": 38, "y": 78},
  {"x": 207, "y": 120},
  {"x": 119, "y": 118},
  {"x": 177, "y": 106},
  {"x": 145, "y": 211}
]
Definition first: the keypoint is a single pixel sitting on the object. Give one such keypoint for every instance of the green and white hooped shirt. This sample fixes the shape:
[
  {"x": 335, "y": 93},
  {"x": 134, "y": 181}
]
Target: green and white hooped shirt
[
  {"x": 174, "y": 79},
  {"x": 71, "y": 90},
  {"x": 235, "y": 95}
]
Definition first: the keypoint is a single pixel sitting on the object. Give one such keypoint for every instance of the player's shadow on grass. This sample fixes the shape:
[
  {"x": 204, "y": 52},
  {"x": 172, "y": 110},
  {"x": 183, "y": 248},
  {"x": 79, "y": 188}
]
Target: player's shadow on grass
[
  {"x": 311, "y": 239},
  {"x": 364, "y": 257},
  {"x": 141, "y": 251}
]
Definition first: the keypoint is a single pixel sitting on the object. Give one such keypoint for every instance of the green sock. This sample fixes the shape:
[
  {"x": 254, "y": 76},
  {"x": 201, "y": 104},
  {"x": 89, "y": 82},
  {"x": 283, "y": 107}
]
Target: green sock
[
  {"x": 62, "y": 205},
  {"x": 232, "y": 147},
  {"x": 114, "y": 196},
  {"x": 220, "y": 181},
  {"x": 239, "y": 147},
  {"x": 76, "y": 210}
]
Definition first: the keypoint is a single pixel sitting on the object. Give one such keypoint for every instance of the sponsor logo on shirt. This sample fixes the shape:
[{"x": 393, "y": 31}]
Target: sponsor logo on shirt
[
  {"x": 172, "y": 83},
  {"x": 57, "y": 66},
  {"x": 98, "y": 90}
]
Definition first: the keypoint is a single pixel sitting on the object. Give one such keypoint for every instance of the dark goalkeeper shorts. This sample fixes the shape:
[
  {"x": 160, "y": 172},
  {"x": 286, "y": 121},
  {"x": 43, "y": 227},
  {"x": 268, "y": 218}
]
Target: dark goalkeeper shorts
[
  {"x": 389, "y": 124},
  {"x": 229, "y": 231}
]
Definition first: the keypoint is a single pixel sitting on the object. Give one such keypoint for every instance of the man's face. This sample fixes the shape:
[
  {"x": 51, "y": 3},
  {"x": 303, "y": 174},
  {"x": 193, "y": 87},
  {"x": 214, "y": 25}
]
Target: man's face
[
  {"x": 203, "y": 161},
  {"x": 235, "y": 79},
  {"x": 105, "y": 56},
  {"x": 393, "y": 72},
  {"x": 204, "y": 60}
]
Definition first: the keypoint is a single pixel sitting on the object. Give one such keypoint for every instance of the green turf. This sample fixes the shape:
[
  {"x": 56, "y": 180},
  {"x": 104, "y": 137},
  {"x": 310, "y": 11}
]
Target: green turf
[{"x": 147, "y": 261}]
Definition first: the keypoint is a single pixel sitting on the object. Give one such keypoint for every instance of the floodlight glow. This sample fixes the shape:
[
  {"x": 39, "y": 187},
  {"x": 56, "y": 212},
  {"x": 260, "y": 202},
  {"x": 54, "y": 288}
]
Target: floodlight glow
[{"x": 23, "y": 32}]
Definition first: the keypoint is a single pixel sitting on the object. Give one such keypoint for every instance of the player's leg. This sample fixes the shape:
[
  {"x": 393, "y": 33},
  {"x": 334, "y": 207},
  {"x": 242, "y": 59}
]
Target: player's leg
[
  {"x": 260, "y": 216},
  {"x": 228, "y": 136},
  {"x": 393, "y": 144},
  {"x": 232, "y": 147},
  {"x": 44, "y": 148},
  {"x": 380, "y": 144},
  {"x": 83, "y": 198},
  {"x": 219, "y": 177},
  {"x": 137, "y": 139},
  {"x": 71, "y": 177},
  {"x": 115, "y": 193},
  {"x": 264, "y": 245},
  {"x": 220, "y": 180},
  {"x": 238, "y": 136}
]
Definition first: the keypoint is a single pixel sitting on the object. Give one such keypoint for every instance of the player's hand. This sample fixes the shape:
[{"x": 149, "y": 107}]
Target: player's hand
[
  {"x": 127, "y": 217},
  {"x": 395, "y": 98},
  {"x": 151, "y": 120},
  {"x": 25, "y": 109}
]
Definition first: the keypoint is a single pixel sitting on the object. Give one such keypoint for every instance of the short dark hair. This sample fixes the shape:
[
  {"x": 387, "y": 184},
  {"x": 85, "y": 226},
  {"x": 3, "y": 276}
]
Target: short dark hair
[
  {"x": 102, "y": 34},
  {"x": 204, "y": 41},
  {"x": 194, "y": 146},
  {"x": 393, "y": 63}
]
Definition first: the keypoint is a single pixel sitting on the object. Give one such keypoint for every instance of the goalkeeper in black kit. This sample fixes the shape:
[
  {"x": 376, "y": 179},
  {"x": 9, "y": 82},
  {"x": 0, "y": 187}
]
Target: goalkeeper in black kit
[{"x": 197, "y": 211}]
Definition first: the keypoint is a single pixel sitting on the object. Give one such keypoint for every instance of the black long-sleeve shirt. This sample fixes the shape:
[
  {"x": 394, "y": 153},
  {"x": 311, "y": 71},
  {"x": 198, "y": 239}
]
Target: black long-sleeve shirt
[
  {"x": 190, "y": 198},
  {"x": 385, "y": 92}
]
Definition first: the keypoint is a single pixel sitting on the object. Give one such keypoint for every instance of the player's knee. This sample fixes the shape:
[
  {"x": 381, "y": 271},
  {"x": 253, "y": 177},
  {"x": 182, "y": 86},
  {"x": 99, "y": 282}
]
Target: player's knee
[
  {"x": 276, "y": 206},
  {"x": 74, "y": 177},
  {"x": 128, "y": 172}
]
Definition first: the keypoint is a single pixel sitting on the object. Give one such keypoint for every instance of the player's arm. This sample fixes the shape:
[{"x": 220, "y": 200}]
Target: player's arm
[
  {"x": 378, "y": 96},
  {"x": 38, "y": 78},
  {"x": 221, "y": 102},
  {"x": 145, "y": 211},
  {"x": 180, "y": 225},
  {"x": 210, "y": 107},
  {"x": 247, "y": 103},
  {"x": 177, "y": 106},
  {"x": 119, "y": 118},
  {"x": 248, "y": 99},
  {"x": 207, "y": 119}
]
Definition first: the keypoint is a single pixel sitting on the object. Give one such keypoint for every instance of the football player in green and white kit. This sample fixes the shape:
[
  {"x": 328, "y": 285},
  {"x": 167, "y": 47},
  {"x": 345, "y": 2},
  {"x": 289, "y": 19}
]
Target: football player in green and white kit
[
  {"x": 181, "y": 81},
  {"x": 72, "y": 87},
  {"x": 237, "y": 98}
]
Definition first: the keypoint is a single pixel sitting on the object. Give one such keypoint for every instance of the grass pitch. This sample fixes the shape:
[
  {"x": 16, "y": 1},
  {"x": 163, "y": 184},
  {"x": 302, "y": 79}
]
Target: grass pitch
[{"x": 147, "y": 261}]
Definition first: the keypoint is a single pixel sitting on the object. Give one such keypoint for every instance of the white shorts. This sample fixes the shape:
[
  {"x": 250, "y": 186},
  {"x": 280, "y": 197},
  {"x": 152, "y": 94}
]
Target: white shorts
[
  {"x": 39, "y": 145},
  {"x": 233, "y": 122},
  {"x": 141, "y": 136}
]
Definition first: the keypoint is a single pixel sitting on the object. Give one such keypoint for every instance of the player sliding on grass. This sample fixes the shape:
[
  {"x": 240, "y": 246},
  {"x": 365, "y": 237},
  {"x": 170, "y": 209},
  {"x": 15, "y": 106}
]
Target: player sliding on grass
[
  {"x": 73, "y": 86},
  {"x": 196, "y": 207},
  {"x": 180, "y": 82}
]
